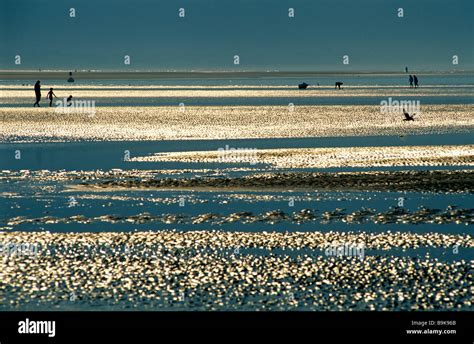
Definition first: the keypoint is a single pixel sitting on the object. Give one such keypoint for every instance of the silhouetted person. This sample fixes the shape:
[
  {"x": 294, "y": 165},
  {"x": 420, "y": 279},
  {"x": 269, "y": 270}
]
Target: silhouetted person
[
  {"x": 338, "y": 84},
  {"x": 71, "y": 79},
  {"x": 408, "y": 117},
  {"x": 411, "y": 80},
  {"x": 37, "y": 93},
  {"x": 415, "y": 79},
  {"x": 303, "y": 86},
  {"x": 69, "y": 101},
  {"x": 50, "y": 96},
  {"x": 406, "y": 69}
]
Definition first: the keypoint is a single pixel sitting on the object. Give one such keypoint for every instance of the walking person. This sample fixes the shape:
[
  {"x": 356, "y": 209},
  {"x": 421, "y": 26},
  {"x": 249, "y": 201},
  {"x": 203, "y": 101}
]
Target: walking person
[
  {"x": 50, "y": 96},
  {"x": 37, "y": 93},
  {"x": 411, "y": 80},
  {"x": 415, "y": 79}
]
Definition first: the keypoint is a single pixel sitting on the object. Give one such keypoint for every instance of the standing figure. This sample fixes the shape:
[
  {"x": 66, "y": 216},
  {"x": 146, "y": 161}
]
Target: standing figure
[
  {"x": 416, "y": 81},
  {"x": 411, "y": 80},
  {"x": 37, "y": 93},
  {"x": 71, "y": 79}
]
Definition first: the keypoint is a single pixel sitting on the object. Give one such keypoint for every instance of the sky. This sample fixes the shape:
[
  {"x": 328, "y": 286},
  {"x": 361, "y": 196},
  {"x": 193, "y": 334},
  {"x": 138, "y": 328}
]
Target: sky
[{"x": 260, "y": 32}]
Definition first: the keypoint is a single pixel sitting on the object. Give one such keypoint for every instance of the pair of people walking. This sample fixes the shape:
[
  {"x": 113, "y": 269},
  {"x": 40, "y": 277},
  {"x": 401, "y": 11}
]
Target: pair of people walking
[
  {"x": 413, "y": 81},
  {"x": 49, "y": 95}
]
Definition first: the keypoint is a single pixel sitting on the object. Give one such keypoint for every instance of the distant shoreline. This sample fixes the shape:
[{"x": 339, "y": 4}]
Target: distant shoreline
[{"x": 138, "y": 75}]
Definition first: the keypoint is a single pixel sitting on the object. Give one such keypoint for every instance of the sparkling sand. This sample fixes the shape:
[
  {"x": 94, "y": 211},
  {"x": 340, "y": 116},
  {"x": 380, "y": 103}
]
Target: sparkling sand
[{"x": 225, "y": 122}]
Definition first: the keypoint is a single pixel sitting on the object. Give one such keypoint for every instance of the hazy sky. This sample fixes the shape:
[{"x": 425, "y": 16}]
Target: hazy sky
[{"x": 259, "y": 31}]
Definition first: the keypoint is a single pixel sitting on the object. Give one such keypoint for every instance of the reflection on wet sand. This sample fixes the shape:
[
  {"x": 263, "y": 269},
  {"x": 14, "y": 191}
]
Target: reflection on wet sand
[{"x": 211, "y": 270}]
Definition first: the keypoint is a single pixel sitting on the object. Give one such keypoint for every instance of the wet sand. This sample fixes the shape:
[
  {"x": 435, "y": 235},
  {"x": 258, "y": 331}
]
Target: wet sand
[
  {"x": 211, "y": 270},
  {"x": 447, "y": 155},
  {"x": 428, "y": 181},
  {"x": 26, "y": 124},
  {"x": 22, "y": 94},
  {"x": 362, "y": 216}
]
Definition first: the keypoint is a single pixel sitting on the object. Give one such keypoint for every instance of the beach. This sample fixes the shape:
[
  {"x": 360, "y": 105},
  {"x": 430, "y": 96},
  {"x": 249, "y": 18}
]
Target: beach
[
  {"x": 236, "y": 191},
  {"x": 271, "y": 164}
]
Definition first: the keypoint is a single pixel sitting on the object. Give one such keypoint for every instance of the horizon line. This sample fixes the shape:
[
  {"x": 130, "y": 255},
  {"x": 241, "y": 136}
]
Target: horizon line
[{"x": 117, "y": 74}]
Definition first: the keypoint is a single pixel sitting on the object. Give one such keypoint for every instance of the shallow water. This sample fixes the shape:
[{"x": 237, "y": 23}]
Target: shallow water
[
  {"x": 35, "y": 198},
  {"x": 323, "y": 80},
  {"x": 108, "y": 155},
  {"x": 358, "y": 90}
]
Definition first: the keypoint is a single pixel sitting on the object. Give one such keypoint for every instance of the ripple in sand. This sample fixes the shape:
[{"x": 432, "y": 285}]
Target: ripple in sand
[
  {"x": 461, "y": 155},
  {"x": 365, "y": 215}
]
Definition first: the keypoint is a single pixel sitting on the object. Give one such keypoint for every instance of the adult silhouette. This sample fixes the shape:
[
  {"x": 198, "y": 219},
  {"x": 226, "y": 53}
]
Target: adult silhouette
[{"x": 37, "y": 93}]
